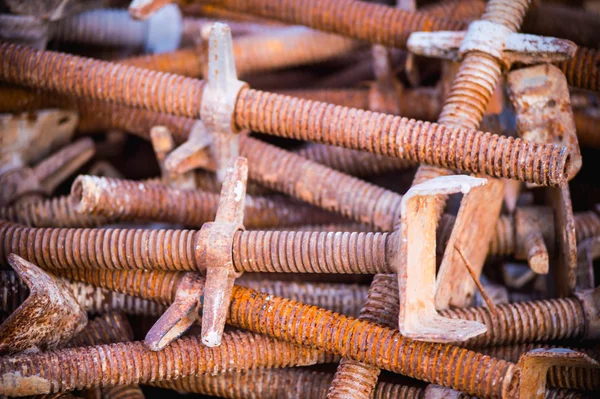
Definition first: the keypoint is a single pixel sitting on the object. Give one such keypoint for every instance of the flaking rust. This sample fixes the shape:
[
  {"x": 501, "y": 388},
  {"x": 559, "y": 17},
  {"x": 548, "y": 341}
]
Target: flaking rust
[
  {"x": 337, "y": 206},
  {"x": 49, "y": 316}
]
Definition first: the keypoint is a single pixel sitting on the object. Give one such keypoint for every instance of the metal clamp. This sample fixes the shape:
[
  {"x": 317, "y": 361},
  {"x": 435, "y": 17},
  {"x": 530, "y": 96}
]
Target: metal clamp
[
  {"x": 216, "y": 129},
  {"x": 493, "y": 39},
  {"x": 214, "y": 251},
  {"x": 219, "y": 97},
  {"x": 183, "y": 312},
  {"x": 418, "y": 317}
]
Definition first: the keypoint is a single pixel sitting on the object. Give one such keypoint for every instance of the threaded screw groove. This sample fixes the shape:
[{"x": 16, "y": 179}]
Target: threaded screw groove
[
  {"x": 124, "y": 200},
  {"x": 291, "y": 383},
  {"x": 386, "y": 348},
  {"x": 380, "y": 24},
  {"x": 129, "y": 363},
  {"x": 101, "y": 80},
  {"x": 455, "y": 148}
]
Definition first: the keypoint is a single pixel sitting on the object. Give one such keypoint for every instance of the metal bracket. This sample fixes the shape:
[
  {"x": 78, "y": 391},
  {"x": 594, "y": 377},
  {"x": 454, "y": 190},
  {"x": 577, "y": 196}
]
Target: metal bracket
[
  {"x": 183, "y": 312},
  {"x": 214, "y": 251},
  {"x": 540, "y": 96},
  {"x": 534, "y": 367},
  {"x": 216, "y": 129},
  {"x": 49, "y": 316},
  {"x": 532, "y": 237},
  {"x": 455, "y": 286},
  {"x": 493, "y": 39},
  {"x": 418, "y": 318},
  {"x": 219, "y": 97},
  {"x": 163, "y": 144}
]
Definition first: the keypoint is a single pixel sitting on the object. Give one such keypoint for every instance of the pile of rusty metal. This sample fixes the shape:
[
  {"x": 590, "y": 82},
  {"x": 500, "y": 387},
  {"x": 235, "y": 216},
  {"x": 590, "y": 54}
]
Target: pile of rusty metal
[{"x": 392, "y": 204}]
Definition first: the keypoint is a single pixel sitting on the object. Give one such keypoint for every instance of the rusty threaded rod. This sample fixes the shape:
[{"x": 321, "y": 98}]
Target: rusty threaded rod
[
  {"x": 379, "y": 24},
  {"x": 322, "y": 329},
  {"x": 397, "y": 137},
  {"x": 353, "y": 162},
  {"x": 253, "y": 251},
  {"x": 90, "y": 298},
  {"x": 125, "y": 200},
  {"x": 289, "y": 383},
  {"x": 583, "y": 69},
  {"x": 106, "y": 329},
  {"x": 358, "y": 380},
  {"x": 132, "y": 362},
  {"x": 161, "y": 287},
  {"x": 295, "y": 252},
  {"x": 543, "y": 320},
  {"x": 387, "y": 135},
  {"x": 366, "y": 342},
  {"x": 51, "y": 212}
]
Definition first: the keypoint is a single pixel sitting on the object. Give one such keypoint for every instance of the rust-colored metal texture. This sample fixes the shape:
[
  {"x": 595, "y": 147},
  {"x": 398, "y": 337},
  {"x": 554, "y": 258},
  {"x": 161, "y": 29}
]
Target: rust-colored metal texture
[
  {"x": 127, "y": 200},
  {"x": 183, "y": 96},
  {"x": 49, "y": 316},
  {"x": 37, "y": 373},
  {"x": 482, "y": 277}
]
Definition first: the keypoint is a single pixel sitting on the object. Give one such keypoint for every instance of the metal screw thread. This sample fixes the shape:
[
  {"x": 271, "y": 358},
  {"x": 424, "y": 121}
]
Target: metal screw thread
[
  {"x": 290, "y": 383},
  {"x": 101, "y": 80},
  {"x": 125, "y": 200},
  {"x": 186, "y": 61},
  {"x": 352, "y": 162},
  {"x": 380, "y": 24},
  {"x": 52, "y": 212},
  {"x": 587, "y": 224},
  {"x": 172, "y": 250},
  {"x": 583, "y": 69},
  {"x": 321, "y": 186},
  {"x": 310, "y": 252},
  {"x": 565, "y": 377},
  {"x": 509, "y": 13},
  {"x": 503, "y": 240},
  {"x": 455, "y": 148},
  {"x": 104, "y": 330},
  {"x": 471, "y": 91},
  {"x": 161, "y": 287},
  {"x": 358, "y": 380},
  {"x": 346, "y": 299},
  {"x": 132, "y": 362},
  {"x": 90, "y": 298},
  {"x": 55, "y": 248},
  {"x": 543, "y": 320},
  {"x": 108, "y": 27},
  {"x": 379, "y": 346},
  {"x": 153, "y": 285}
]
